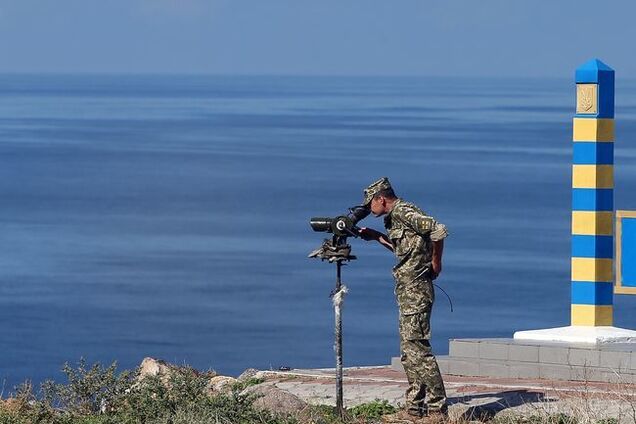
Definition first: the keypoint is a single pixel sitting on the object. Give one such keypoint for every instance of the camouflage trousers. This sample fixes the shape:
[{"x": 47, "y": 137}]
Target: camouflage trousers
[{"x": 426, "y": 388}]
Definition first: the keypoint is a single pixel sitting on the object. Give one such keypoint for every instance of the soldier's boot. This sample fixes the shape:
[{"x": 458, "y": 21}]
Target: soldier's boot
[{"x": 404, "y": 416}]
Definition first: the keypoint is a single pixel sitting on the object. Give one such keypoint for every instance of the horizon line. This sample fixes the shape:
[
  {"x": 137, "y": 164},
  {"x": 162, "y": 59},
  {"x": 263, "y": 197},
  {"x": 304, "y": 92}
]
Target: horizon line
[{"x": 281, "y": 75}]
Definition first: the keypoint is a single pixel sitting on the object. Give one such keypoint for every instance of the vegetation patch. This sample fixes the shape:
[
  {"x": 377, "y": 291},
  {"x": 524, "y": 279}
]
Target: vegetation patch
[
  {"x": 100, "y": 394},
  {"x": 372, "y": 411},
  {"x": 242, "y": 385}
]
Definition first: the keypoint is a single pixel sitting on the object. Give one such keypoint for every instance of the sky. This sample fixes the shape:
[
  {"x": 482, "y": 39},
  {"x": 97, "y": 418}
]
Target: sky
[{"x": 316, "y": 37}]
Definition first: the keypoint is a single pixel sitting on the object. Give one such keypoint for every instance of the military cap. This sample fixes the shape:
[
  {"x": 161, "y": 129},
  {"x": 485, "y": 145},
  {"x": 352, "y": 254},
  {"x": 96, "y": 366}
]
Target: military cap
[{"x": 373, "y": 189}]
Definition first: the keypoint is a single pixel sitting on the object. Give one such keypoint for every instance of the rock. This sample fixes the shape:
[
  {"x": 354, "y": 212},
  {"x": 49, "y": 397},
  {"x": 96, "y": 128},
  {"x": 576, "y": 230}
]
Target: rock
[
  {"x": 221, "y": 383},
  {"x": 12, "y": 405},
  {"x": 273, "y": 399},
  {"x": 152, "y": 366},
  {"x": 162, "y": 369},
  {"x": 247, "y": 374}
]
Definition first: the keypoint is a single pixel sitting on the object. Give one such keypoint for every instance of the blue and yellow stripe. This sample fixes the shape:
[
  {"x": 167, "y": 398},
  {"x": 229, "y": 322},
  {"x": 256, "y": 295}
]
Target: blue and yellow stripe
[
  {"x": 592, "y": 315},
  {"x": 593, "y": 222},
  {"x": 592, "y": 269},
  {"x": 592, "y": 176},
  {"x": 585, "y": 199},
  {"x": 584, "y": 246},
  {"x": 592, "y": 153},
  {"x": 592, "y": 129},
  {"x": 592, "y": 293}
]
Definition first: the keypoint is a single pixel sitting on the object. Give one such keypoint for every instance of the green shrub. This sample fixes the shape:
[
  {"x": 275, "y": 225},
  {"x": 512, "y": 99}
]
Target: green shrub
[
  {"x": 242, "y": 385},
  {"x": 99, "y": 395},
  {"x": 154, "y": 398},
  {"x": 325, "y": 414},
  {"x": 372, "y": 410},
  {"x": 10, "y": 418},
  {"x": 88, "y": 390},
  {"x": 559, "y": 418},
  {"x": 182, "y": 396}
]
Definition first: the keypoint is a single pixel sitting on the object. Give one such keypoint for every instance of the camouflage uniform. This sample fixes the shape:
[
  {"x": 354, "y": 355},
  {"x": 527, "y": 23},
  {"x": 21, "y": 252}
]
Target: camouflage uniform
[{"x": 412, "y": 234}]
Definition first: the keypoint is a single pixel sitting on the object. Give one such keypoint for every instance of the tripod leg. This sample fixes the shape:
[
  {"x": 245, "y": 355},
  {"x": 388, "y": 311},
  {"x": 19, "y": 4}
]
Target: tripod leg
[{"x": 338, "y": 297}]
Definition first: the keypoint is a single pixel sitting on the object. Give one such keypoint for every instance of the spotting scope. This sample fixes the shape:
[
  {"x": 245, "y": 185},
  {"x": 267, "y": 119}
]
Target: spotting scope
[{"x": 344, "y": 225}]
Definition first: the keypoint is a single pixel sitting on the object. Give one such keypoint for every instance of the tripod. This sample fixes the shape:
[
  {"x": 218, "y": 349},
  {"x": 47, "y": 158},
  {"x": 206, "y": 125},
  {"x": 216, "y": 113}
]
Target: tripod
[{"x": 337, "y": 251}]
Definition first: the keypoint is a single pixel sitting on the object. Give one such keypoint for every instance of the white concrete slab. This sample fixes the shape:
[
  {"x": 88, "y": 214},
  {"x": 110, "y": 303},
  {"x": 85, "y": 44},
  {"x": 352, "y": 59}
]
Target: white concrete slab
[{"x": 579, "y": 334}]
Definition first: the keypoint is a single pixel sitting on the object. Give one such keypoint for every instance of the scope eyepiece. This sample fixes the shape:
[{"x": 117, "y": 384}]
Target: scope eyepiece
[{"x": 358, "y": 213}]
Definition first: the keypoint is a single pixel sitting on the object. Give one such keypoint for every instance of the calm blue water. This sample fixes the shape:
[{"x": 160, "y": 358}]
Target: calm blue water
[{"x": 168, "y": 216}]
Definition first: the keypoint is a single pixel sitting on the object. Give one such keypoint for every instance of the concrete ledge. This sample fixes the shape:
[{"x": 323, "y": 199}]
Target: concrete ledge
[
  {"x": 464, "y": 348},
  {"x": 553, "y": 354},
  {"x": 510, "y": 358},
  {"x": 523, "y": 353},
  {"x": 527, "y": 370}
]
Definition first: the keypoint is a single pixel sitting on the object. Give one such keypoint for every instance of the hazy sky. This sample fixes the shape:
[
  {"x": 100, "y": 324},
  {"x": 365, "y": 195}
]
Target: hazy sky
[{"x": 334, "y": 37}]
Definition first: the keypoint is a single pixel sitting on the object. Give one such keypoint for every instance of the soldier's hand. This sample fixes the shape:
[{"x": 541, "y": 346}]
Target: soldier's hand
[
  {"x": 369, "y": 234},
  {"x": 437, "y": 268}
]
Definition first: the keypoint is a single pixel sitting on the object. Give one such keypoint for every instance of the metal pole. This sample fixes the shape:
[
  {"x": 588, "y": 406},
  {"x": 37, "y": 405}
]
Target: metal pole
[{"x": 338, "y": 345}]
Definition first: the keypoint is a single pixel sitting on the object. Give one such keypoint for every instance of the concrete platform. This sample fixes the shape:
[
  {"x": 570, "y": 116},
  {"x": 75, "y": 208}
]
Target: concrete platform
[{"x": 510, "y": 358}]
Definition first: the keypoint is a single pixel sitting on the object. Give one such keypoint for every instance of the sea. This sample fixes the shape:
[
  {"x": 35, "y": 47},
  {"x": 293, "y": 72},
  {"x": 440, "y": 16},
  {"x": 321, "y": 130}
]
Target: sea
[{"x": 168, "y": 216}]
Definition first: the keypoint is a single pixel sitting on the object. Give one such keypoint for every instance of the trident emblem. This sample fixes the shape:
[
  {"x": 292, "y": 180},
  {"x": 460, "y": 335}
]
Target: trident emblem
[{"x": 586, "y": 98}]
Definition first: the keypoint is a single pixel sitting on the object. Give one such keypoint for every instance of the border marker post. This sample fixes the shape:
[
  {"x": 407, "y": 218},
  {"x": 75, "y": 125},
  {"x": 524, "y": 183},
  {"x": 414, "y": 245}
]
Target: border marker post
[
  {"x": 593, "y": 197},
  {"x": 592, "y": 263}
]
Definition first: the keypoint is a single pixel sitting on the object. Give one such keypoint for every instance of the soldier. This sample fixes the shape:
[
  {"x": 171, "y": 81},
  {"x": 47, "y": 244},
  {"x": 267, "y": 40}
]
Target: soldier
[{"x": 417, "y": 241}]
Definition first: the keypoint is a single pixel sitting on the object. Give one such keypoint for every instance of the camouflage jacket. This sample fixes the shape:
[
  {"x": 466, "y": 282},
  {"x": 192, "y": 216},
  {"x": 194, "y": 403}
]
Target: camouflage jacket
[{"x": 412, "y": 234}]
